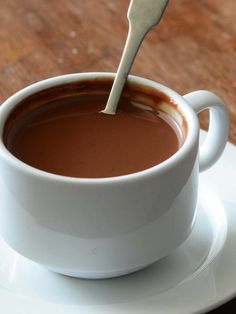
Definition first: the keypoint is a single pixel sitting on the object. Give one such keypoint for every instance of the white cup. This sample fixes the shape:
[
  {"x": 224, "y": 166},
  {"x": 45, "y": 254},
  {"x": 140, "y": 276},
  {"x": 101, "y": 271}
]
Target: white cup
[{"x": 107, "y": 227}]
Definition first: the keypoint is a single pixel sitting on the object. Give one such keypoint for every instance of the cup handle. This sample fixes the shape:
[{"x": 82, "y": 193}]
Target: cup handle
[{"x": 216, "y": 139}]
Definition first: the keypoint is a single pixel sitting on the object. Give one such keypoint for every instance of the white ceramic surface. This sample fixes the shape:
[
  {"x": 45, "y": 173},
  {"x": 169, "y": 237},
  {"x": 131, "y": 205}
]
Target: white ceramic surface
[
  {"x": 99, "y": 228},
  {"x": 197, "y": 277}
]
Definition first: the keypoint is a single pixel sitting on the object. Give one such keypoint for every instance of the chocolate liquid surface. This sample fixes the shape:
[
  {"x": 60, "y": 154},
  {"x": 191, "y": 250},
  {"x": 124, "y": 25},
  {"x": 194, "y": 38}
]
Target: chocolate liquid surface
[{"x": 70, "y": 137}]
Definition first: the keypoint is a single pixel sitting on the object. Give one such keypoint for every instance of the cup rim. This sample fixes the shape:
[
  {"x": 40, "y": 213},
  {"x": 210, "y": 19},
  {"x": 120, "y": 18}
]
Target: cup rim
[{"x": 166, "y": 165}]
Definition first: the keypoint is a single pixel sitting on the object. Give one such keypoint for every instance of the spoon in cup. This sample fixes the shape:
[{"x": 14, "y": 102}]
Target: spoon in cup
[{"x": 142, "y": 16}]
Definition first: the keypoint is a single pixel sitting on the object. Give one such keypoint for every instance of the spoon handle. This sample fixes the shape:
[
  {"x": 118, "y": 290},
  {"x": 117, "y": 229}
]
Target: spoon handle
[{"x": 142, "y": 16}]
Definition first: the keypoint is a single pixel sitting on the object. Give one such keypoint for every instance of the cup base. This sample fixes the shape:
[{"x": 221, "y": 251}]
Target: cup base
[{"x": 97, "y": 275}]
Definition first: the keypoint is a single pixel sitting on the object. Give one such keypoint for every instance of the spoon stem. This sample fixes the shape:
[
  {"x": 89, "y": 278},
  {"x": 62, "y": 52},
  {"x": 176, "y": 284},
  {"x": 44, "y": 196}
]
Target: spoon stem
[
  {"x": 142, "y": 16},
  {"x": 125, "y": 65}
]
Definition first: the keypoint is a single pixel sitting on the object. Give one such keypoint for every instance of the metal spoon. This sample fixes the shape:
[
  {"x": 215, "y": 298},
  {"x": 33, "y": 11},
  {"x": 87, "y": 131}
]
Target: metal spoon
[{"x": 142, "y": 16}]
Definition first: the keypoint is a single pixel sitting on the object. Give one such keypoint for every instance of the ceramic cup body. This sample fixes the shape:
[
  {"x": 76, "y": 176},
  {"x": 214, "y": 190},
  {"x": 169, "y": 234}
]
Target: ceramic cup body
[{"x": 100, "y": 228}]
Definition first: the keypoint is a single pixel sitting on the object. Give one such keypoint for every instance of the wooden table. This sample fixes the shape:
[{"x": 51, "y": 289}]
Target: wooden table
[{"x": 193, "y": 47}]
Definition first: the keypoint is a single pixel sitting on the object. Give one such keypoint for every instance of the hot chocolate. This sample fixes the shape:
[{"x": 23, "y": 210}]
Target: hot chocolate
[{"x": 67, "y": 135}]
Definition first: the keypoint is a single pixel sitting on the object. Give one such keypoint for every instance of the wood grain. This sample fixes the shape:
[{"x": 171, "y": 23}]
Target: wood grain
[{"x": 193, "y": 47}]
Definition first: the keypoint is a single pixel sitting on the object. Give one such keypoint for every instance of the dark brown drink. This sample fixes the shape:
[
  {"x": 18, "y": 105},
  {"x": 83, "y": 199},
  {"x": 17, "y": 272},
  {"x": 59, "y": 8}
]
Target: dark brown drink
[{"x": 69, "y": 136}]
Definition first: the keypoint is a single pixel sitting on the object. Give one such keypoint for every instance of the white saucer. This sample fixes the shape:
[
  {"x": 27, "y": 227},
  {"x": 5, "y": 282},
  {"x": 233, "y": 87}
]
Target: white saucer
[{"x": 199, "y": 276}]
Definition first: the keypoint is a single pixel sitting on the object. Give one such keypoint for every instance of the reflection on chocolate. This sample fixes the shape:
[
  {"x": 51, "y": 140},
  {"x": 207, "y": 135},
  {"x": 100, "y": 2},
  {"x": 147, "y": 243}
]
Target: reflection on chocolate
[{"x": 68, "y": 135}]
